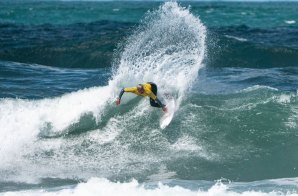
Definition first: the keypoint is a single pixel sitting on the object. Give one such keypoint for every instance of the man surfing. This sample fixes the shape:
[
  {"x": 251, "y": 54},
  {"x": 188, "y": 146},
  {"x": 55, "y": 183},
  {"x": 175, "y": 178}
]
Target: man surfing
[{"x": 146, "y": 89}]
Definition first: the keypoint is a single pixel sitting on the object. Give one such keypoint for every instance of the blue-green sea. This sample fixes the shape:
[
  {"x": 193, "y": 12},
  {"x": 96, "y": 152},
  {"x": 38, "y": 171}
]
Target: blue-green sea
[{"x": 231, "y": 67}]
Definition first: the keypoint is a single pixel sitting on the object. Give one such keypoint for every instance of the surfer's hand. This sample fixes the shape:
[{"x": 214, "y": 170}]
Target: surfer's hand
[
  {"x": 165, "y": 109},
  {"x": 117, "y": 101}
]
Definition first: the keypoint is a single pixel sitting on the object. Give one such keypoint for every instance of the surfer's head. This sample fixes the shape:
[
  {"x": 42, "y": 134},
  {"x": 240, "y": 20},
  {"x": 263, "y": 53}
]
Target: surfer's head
[{"x": 140, "y": 88}]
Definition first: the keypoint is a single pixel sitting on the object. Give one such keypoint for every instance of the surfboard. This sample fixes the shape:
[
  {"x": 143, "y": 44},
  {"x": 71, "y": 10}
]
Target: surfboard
[{"x": 167, "y": 117}]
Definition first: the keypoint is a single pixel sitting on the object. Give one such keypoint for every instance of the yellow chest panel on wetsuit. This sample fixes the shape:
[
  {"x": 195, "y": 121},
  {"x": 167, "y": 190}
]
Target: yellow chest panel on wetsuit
[{"x": 147, "y": 91}]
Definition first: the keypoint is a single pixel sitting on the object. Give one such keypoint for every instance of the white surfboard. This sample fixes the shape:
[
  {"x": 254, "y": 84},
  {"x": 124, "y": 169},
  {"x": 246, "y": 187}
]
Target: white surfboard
[{"x": 168, "y": 116}]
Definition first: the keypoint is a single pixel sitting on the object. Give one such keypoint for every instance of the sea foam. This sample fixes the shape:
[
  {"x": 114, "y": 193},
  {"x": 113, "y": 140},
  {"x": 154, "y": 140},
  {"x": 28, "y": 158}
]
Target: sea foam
[{"x": 100, "y": 186}]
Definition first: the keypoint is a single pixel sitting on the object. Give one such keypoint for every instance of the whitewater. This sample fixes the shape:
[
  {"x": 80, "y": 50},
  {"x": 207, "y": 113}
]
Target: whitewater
[{"x": 167, "y": 48}]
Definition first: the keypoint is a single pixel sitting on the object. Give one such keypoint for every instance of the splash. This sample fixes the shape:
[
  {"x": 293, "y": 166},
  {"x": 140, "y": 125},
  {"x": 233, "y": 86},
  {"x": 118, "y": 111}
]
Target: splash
[{"x": 167, "y": 48}]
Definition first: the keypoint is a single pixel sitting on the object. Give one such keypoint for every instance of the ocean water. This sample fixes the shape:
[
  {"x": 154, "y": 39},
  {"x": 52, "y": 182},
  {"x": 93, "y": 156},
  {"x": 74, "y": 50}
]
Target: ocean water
[{"x": 231, "y": 67}]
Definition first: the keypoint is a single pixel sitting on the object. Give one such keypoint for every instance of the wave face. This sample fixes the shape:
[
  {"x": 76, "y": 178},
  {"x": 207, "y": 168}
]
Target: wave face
[{"x": 82, "y": 134}]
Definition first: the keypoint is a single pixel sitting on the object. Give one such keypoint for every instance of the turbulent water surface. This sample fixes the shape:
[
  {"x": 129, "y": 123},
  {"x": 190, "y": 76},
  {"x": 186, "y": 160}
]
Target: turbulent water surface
[{"x": 231, "y": 67}]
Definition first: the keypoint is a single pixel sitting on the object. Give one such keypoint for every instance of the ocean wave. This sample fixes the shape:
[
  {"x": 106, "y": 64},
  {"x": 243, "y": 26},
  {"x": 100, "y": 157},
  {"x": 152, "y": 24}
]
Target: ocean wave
[
  {"x": 290, "y": 21},
  {"x": 243, "y": 46},
  {"x": 258, "y": 87},
  {"x": 79, "y": 45},
  {"x": 236, "y": 38},
  {"x": 267, "y": 36},
  {"x": 46, "y": 81},
  {"x": 92, "y": 45},
  {"x": 239, "y": 131},
  {"x": 83, "y": 132},
  {"x": 101, "y": 186}
]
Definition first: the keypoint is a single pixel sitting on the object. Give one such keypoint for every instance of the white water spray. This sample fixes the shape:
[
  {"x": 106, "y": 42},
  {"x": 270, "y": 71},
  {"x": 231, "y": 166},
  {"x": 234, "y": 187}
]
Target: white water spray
[{"x": 167, "y": 48}]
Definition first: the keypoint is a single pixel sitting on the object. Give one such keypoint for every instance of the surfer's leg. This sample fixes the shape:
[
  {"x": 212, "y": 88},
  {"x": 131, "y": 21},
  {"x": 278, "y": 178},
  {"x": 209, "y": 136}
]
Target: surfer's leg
[{"x": 153, "y": 103}]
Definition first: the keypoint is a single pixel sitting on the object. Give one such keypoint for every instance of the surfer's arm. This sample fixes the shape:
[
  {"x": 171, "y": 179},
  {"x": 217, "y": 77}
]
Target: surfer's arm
[
  {"x": 121, "y": 93},
  {"x": 129, "y": 89},
  {"x": 119, "y": 97}
]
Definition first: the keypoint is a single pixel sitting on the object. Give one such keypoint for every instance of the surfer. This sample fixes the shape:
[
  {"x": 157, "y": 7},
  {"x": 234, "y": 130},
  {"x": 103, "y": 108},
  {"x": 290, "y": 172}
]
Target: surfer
[{"x": 146, "y": 89}]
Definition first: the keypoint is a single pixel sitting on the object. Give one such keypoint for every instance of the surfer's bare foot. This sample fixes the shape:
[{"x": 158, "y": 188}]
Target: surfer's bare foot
[
  {"x": 165, "y": 109},
  {"x": 117, "y": 101}
]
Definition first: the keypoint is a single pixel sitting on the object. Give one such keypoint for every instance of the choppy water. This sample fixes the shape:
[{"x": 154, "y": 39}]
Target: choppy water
[{"x": 232, "y": 67}]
